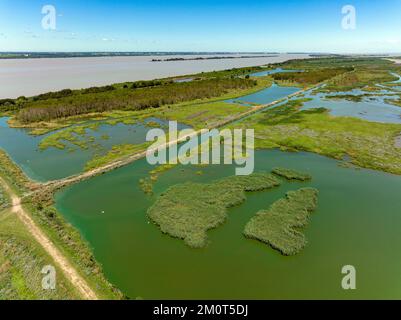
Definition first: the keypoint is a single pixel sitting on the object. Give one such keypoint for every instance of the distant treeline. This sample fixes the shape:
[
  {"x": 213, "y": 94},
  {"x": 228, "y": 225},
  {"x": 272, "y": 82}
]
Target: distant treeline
[
  {"x": 138, "y": 96},
  {"x": 311, "y": 76},
  {"x": 210, "y": 58}
]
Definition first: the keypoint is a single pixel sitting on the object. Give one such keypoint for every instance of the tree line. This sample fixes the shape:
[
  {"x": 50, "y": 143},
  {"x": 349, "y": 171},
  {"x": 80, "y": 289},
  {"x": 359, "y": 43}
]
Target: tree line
[{"x": 127, "y": 99}]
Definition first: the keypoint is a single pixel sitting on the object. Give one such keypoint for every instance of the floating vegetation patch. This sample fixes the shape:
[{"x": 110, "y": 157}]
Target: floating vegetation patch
[
  {"x": 76, "y": 135},
  {"x": 187, "y": 211},
  {"x": 146, "y": 185},
  {"x": 291, "y": 174},
  {"x": 279, "y": 226}
]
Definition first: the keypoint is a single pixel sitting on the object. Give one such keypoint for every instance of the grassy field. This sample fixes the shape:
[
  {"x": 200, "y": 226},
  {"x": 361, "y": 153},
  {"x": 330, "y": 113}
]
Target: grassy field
[
  {"x": 21, "y": 262},
  {"x": 187, "y": 211},
  {"x": 280, "y": 226},
  {"x": 357, "y": 72},
  {"x": 367, "y": 144}
]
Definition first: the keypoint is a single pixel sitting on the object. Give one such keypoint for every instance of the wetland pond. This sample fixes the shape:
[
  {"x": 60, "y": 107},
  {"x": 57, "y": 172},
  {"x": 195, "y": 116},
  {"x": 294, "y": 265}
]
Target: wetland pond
[
  {"x": 372, "y": 107},
  {"x": 52, "y": 163},
  {"x": 358, "y": 222},
  {"x": 265, "y": 96}
]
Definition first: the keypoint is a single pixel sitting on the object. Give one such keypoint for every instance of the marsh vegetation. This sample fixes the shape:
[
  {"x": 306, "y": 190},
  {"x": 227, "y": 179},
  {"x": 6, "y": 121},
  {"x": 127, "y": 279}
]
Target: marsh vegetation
[
  {"x": 288, "y": 127},
  {"x": 280, "y": 225},
  {"x": 187, "y": 211}
]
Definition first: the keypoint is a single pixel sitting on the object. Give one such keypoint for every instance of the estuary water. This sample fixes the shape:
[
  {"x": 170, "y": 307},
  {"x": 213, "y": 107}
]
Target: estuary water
[{"x": 34, "y": 76}]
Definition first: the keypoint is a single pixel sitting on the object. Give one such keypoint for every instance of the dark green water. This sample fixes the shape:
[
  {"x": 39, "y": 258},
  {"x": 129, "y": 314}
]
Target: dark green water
[{"x": 358, "y": 223}]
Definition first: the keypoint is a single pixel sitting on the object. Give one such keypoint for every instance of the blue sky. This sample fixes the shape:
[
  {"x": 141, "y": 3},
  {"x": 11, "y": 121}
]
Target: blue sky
[{"x": 201, "y": 25}]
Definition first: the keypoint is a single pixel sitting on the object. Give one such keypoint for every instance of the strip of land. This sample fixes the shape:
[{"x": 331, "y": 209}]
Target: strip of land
[{"x": 69, "y": 271}]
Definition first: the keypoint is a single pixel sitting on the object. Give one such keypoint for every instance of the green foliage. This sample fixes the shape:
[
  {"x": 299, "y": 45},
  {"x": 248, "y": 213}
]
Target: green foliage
[
  {"x": 98, "y": 89},
  {"x": 349, "y": 97},
  {"x": 75, "y": 135},
  {"x": 54, "y": 95},
  {"x": 279, "y": 226},
  {"x": 122, "y": 99},
  {"x": 187, "y": 211},
  {"x": 146, "y": 84}
]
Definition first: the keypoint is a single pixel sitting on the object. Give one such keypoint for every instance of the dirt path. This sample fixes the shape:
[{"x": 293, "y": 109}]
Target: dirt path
[{"x": 69, "y": 271}]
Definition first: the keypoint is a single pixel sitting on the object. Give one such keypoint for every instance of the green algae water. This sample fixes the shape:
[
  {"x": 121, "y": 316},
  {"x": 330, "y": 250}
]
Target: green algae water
[{"x": 358, "y": 222}]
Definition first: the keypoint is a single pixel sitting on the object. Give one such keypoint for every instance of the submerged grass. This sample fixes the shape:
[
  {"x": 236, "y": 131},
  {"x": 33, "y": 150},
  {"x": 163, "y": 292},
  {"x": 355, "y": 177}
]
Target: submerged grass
[
  {"x": 117, "y": 152},
  {"x": 187, "y": 211},
  {"x": 367, "y": 144},
  {"x": 279, "y": 226},
  {"x": 290, "y": 174}
]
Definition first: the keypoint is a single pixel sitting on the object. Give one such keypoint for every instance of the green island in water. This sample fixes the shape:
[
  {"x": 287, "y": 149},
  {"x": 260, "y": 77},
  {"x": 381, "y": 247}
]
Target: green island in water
[
  {"x": 278, "y": 225},
  {"x": 188, "y": 211}
]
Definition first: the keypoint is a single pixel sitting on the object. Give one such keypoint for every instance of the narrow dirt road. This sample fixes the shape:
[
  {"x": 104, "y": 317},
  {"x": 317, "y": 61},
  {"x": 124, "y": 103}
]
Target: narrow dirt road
[{"x": 69, "y": 271}]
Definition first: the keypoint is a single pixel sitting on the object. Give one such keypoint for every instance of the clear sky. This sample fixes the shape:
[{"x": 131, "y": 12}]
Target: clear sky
[{"x": 201, "y": 25}]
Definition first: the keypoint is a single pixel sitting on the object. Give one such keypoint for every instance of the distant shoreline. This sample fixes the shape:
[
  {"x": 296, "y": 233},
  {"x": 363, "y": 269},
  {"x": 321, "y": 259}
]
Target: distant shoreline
[
  {"x": 211, "y": 58},
  {"x": 46, "y": 55},
  {"x": 29, "y": 77}
]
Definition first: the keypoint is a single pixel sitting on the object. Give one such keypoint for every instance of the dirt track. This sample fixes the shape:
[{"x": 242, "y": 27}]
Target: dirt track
[{"x": 69, "y": 271}]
